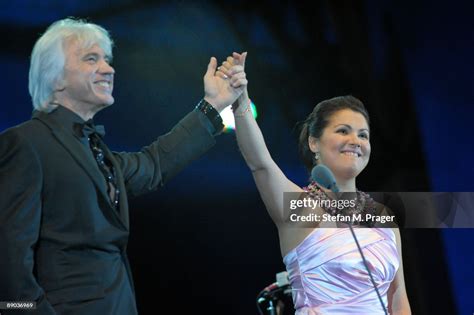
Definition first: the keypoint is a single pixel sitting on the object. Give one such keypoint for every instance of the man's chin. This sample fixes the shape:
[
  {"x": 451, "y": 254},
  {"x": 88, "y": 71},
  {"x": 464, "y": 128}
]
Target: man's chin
[{"x": 108, "y": 102}]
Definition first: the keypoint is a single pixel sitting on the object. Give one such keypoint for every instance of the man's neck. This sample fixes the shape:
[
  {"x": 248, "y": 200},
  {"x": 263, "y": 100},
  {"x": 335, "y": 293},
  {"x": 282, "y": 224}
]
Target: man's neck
[{"x": 82, "y": 112}]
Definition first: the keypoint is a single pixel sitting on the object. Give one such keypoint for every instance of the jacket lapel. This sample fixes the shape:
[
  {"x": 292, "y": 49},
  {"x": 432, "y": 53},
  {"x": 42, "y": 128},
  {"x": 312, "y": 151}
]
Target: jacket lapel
[
  {"x": 85, "y": 159},
  {"x": 123, "y": 202}
]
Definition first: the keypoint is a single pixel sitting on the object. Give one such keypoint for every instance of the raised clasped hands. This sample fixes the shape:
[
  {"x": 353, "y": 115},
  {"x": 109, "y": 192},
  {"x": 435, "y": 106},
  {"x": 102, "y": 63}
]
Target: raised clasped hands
[
  {"x": 226, "y": 70},
  {"x": 223, "y": 85}
]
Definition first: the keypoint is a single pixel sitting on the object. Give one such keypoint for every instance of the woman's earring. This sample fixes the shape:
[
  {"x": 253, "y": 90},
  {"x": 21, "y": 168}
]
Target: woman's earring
[{"x": 317, "y": 156}]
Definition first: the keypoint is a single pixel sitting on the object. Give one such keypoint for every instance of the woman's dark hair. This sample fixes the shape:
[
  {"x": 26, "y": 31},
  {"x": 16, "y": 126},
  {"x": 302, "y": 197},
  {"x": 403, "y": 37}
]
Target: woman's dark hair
[{"x": 318, "y": 120}]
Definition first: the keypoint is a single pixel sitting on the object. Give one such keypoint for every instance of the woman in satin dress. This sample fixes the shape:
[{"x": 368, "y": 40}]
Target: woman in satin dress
[{"x": 325, "y": 268}]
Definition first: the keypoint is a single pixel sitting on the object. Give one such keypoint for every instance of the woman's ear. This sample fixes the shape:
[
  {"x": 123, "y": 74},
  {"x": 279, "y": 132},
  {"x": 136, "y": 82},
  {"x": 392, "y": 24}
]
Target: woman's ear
[{"x": 313, "y": 144}]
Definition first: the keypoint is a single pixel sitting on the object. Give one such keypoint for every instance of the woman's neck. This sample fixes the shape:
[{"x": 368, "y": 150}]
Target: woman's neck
[{"x": 346, "y": 185}]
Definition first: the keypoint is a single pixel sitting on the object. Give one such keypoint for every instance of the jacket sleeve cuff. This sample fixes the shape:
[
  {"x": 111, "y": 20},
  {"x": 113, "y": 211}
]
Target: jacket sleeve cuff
[{"x": 209, "y": 117}]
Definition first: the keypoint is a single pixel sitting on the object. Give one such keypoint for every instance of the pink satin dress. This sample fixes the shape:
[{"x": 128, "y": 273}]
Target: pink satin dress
[{"x": 328, "y": 276}]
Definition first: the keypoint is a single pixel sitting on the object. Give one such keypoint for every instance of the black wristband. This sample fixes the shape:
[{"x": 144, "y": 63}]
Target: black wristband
[{"x": 212, "y": 114}]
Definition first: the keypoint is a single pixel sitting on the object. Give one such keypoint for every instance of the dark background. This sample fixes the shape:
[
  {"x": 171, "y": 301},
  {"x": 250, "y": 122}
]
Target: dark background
[{"x": 204, "y": 243}]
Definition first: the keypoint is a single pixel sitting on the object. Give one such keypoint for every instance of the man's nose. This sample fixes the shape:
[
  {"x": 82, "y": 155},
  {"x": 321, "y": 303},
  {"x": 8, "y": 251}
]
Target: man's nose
[{"x": 106, "y": 68}]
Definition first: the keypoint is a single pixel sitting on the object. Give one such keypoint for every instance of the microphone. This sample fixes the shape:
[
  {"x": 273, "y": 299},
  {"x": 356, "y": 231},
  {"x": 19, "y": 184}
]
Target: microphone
[
  {"x": 322, "y": 175},
  {"x": 282, "y": 282},
  {"x": 269, "y": 294}
]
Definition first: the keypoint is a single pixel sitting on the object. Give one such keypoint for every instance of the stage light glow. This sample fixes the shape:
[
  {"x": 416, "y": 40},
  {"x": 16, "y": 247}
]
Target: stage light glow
[{"x": 228, "y": 117}]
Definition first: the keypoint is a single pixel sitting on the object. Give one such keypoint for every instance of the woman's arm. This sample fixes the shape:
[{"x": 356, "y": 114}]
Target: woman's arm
[
  {"x": 397, "y": 296},
  {"x": 270, "y": 180}
]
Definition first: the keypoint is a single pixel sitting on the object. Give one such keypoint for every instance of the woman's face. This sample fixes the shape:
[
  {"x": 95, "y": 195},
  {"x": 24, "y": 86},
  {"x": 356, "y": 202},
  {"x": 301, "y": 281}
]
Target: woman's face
[{"x": 344, "y": 146}]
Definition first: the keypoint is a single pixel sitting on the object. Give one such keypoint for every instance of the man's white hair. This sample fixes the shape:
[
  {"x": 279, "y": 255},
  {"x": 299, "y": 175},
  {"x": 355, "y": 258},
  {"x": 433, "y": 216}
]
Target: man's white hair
[{"x": 48, "y": 58}]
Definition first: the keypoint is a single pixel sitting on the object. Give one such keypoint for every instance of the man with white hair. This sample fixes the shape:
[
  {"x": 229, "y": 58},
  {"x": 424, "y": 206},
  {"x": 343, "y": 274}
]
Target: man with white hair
[{"x": 63, "y": 205}]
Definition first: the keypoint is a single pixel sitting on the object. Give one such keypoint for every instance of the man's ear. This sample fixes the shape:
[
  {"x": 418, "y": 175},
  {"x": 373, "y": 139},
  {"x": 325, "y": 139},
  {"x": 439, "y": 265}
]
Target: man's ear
[
  {"x": 60, "y": 85},
  {"x": 313, "y": 144}
]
